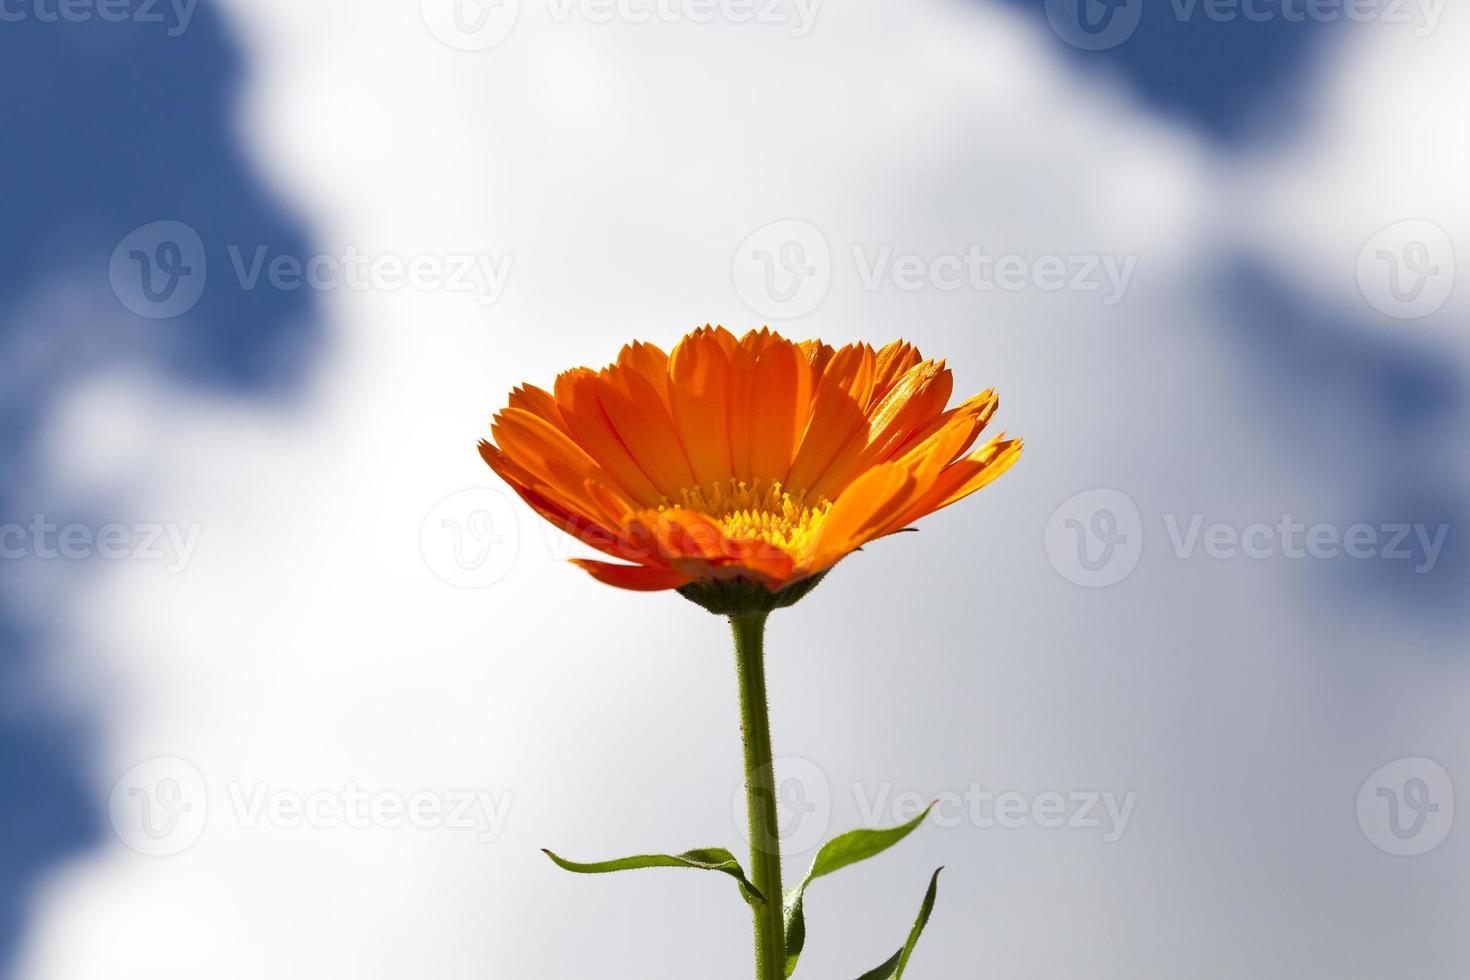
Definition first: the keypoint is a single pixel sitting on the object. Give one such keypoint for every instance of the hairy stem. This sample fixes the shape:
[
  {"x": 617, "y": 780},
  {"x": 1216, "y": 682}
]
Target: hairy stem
[{"x": 760, "y": 795}]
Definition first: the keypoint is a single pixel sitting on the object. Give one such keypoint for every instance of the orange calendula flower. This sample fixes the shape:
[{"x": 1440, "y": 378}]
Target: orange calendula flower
[{"x": 735, "y": 464}]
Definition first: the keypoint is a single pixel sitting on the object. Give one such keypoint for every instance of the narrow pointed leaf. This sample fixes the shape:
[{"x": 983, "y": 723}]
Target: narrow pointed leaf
[
  {"x": 701, "y": 858},
  {"x": 836, "y": 854},
  {"x": 899, "y": 961},
  {"x": 886, "y": 971}
]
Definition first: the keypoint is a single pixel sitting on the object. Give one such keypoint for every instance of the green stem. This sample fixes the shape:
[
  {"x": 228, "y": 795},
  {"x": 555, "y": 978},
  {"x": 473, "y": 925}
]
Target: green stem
[{"x": 760, "y": 795}]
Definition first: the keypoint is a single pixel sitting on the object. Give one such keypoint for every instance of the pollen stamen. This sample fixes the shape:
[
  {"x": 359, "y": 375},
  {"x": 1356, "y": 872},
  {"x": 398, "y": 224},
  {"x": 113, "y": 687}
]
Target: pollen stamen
[{"x": 761, "y": 510}]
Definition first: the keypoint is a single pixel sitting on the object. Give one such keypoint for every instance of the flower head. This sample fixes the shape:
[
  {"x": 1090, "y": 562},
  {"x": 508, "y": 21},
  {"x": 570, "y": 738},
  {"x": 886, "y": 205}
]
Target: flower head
[{"x": 752, "y": 465}]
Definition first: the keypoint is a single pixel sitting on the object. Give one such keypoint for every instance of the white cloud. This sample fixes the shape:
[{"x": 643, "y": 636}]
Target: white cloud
[{"x": 1383, "y": 142}]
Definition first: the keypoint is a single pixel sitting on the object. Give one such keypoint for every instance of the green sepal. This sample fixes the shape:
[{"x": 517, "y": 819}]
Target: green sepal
[
  {"x": 836, "y": 854},
  {"x": 899, "y": 961},
  {"x": 701, "y": 858},
  {"x": 742, "y": 597}
]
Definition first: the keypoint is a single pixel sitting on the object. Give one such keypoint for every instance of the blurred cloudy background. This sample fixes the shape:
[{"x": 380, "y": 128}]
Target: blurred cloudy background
[{"x": 291, "y": 688}]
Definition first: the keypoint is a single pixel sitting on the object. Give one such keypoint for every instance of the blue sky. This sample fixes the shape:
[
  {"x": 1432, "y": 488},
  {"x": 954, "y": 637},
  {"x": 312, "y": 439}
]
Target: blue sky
[
  {"x": 1227, "y": 78},
  {"x": 119, "y": 123}
]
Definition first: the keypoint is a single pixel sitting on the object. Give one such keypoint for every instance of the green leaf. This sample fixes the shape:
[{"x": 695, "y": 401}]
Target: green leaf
[
  {"x": 899, "y": 961},
  {"x": 836, "y": 854},
  {"x": 701, "y": 858}
]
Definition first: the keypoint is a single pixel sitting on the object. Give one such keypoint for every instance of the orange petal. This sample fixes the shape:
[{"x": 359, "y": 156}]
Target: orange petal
[
  {"x": 699, "y": 374},
  {"x": 817, "y": 355},
  {"x": 962, "y": 478},
  {"x": 577, "y": 397},
  {"x": 858, "y": 375},
  {"x": 538, "y": 402},
  {"x": 768, "y": 562},
  {"x": 696, "y": 545},
  {"x": 782, "y": 396},
  {"x": 638, "y": 578},
  {"x": 970, "y": 417},
  {"x": 837, "y": 411},
  {"x": 918, "y": 397},
  {"x": 723, "y": 337},
  {"x": 857, "y": 515},
  {"x": 680, "y": 535},
  {"x": 652, "y": 363},
  {"x": 643, "y": 424},
  {"x": 556, "y": 510},
  {"x": 544, "y": 452},
  {"x": 757, "y": 341},
  {"x": 893, "y": 361},
  {"x": 742, "y": 396},
  {"x": 915, "y": 399}
]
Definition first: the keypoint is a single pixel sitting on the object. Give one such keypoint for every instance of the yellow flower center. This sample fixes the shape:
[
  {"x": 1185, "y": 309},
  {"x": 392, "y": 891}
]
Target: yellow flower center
[{"x": 758, "y": 511}]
